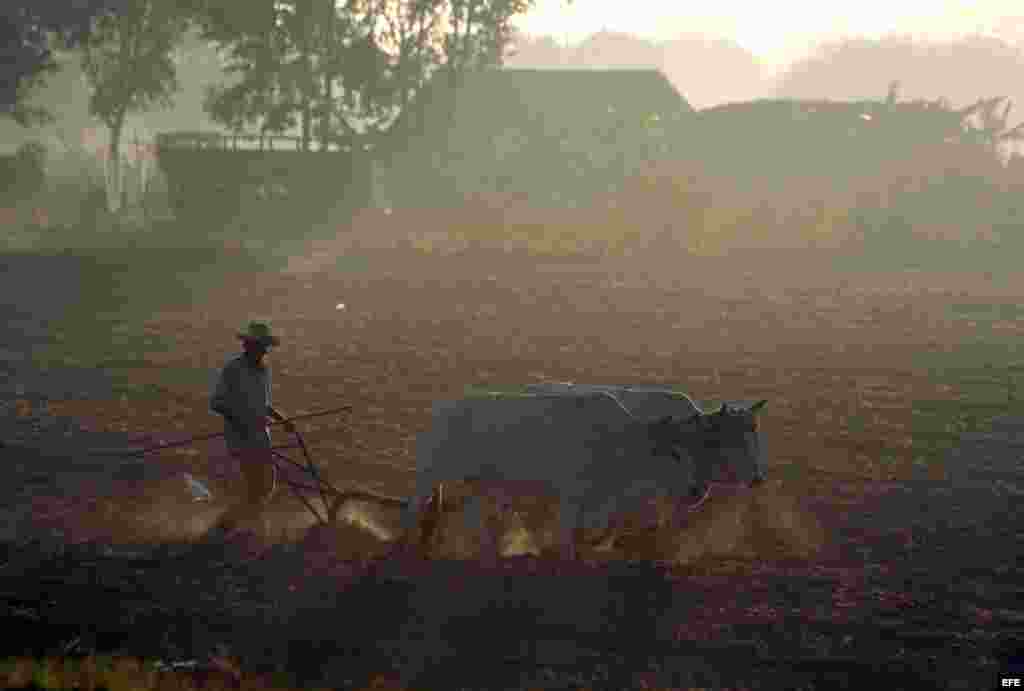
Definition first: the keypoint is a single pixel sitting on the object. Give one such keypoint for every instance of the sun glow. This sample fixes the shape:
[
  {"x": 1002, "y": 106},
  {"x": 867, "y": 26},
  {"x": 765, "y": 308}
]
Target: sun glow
[{"x": 774, "y": 32}]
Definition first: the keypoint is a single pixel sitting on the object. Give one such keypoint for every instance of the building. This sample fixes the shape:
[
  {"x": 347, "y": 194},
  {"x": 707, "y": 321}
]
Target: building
[{"x": 549, "y": 137}]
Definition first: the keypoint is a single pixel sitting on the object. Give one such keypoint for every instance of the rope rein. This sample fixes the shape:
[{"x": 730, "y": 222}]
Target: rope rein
[
  {"x": 619, "y": 403},
  {"x": 667, "y": 394}
]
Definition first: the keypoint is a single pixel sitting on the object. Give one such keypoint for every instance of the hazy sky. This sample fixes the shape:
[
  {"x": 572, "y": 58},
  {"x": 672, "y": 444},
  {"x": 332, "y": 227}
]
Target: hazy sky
[{"x": 776, "y": 31}]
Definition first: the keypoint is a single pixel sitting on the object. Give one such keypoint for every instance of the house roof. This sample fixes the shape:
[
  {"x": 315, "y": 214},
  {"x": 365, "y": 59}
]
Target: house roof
[
  {"x": 545, "y": 132},
  {"x": 553, "y": 100},
  {"x": 781, "y": 136},
  {"x": 579, "y": 91}
]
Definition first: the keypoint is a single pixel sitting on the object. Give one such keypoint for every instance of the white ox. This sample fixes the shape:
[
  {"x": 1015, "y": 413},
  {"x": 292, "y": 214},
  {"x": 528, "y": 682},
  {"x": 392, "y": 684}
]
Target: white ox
[{"x": 600, "y": 449}]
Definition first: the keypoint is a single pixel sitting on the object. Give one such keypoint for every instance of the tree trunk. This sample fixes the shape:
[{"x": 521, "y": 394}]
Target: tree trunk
[
  {"x": 309, "y": 82},
  {"x": 115, "y": 186},
  {"x": 325, "y": 118},
  {"x": 307, "y": 117}
]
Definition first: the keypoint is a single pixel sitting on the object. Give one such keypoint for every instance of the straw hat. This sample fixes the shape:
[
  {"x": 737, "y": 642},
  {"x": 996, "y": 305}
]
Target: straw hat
[{"x": 259, "y": 332}]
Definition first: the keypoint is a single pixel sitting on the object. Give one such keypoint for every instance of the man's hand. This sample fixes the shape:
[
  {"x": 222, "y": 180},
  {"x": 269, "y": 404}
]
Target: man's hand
[{"x": 288, "y": 425}]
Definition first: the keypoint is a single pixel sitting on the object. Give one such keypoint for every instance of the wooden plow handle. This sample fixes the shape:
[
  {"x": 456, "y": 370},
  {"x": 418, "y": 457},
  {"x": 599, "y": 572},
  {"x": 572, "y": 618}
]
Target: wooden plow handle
[{"x": 206, "y": 437}]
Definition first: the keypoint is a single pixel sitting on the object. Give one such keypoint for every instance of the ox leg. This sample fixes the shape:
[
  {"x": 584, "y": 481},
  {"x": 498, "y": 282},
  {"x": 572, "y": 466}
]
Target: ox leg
[
  {"x": 410, "y": 513},
  {"x": 570, "y": 523},
  {"x": 486, "y": 527},
  {"x": 609, "y": 536},
  {"x": 474, "y": 514},
  {"x": 403, "y": 547},
  {"x": 605, "y": 512},
  {"x": 701, "y": 476},
  {"x": 760, "y": 470},
  {"x": 408, "y": 520},
  {"x": 432, "y": 516},
  {"x": 404, "y": 541},
  {"x": 415, "y": 510},
  {"x": 425, "y": 486}
]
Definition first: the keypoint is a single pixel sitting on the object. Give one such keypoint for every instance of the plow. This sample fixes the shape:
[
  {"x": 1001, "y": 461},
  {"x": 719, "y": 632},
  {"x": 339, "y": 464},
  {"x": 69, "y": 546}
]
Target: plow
[{"x": 312, "y": 490}]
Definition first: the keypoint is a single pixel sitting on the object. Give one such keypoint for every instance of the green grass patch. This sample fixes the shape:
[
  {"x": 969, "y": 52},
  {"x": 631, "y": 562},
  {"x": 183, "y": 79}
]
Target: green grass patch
[
  {"x": 495, "y": 391},
  {"x": 994, "y": 354},
  {"x": 984, "y": 376},
  {"x": 130, "y": 363},
  {"x": 978, "y": 311},
  {"x": 95, "y": 351},
  {"x": 857, "y": 423},
  {"x": 142, "y": 392},
  {"x": 352, "y": 263},
  {"x": 119, "y": 289},
  {"x": 114, "y": 292},
  {"x": 788, "y": 472},
  {"x": 900, "y": 252},
  {"x": 168, "y": 382},
  {"x": 974, "y": 401}
]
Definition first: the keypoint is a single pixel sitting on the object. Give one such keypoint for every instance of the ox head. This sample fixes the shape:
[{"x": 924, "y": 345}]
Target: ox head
[{"x": 723, "y": 445}]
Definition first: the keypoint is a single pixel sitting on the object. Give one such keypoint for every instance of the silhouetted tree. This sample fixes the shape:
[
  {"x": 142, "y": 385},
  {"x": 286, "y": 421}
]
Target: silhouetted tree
[
  {"x": 993, "y": 131},
  {"x": 129, "y": 63},
  {"x": 961, "y": 70},
  {"x": 480, "y": 32},
  {"x": 30, "y": 31},
  {"x": 980, "y": 123},
  {"x": 345, "y": 69}
]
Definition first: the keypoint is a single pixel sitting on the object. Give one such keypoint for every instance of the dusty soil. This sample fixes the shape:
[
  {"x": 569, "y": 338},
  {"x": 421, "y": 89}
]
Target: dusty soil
[{"x": 844, "y": 570}]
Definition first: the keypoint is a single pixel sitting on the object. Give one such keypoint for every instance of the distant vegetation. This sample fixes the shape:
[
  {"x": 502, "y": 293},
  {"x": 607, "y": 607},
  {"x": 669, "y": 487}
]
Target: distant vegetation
[
  {"x": 333, "y": 72},
  {"x": 960, "y": 71},
  {"x": 935, "y": 160}
]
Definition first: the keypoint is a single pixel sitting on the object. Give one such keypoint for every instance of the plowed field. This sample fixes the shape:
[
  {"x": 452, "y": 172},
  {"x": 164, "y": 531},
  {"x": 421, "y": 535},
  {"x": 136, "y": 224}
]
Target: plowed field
[{"x": 851, "y": 561}]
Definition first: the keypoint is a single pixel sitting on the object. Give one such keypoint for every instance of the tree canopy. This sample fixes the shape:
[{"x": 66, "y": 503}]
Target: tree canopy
[
  {"x": 960, "y": 70},
  {"x": 30, "y": 31},
  {"x": 334, "y": 68},
  {"x": 340, "y": 70},
  {"x": 128, "y": 60}
]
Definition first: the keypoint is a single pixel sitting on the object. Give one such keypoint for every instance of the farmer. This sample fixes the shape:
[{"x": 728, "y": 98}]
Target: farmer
[{"x": 242, "y": 396}]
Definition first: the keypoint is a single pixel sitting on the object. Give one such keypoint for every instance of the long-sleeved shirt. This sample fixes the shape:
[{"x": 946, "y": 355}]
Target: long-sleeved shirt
[{"x": 243, "y": 392}]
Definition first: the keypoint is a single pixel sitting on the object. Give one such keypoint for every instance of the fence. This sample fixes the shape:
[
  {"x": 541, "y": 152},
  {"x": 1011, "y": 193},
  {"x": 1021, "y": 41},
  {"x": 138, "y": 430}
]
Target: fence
[
  {"x": 195, "y": 141},
  {"x": 220, "y": 177}
]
